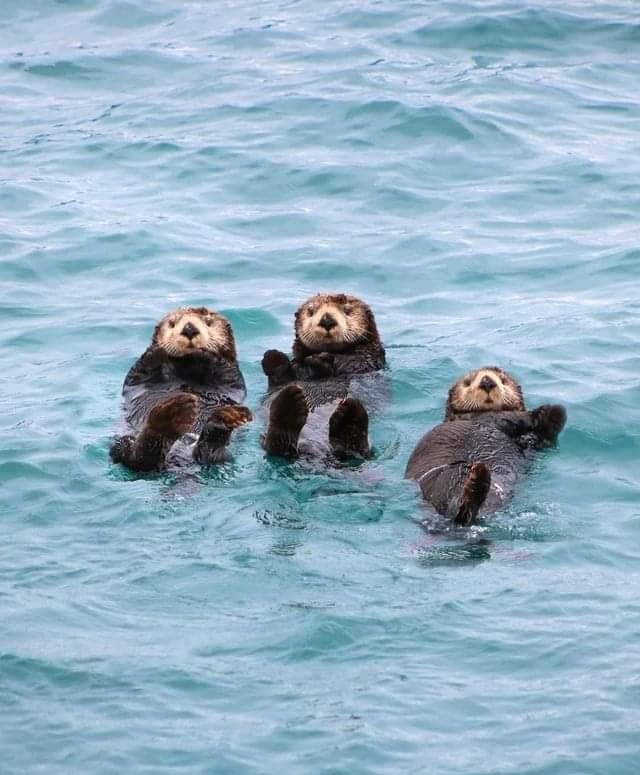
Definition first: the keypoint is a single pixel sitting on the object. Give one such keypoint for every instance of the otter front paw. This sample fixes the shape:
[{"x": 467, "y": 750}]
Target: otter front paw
[
  {"x": 320, "y": 364},
  {"x": 277, "y": 367},
  {"x": 274, "y": 361},
  {"x": 548, "y": 421},
  {"x": 173, "y": 417}
]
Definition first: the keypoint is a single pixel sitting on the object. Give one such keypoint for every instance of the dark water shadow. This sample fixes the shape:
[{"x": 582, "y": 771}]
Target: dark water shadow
[
  {"x": 448, "y": 554},
  {"x": 444, "y": 544}
]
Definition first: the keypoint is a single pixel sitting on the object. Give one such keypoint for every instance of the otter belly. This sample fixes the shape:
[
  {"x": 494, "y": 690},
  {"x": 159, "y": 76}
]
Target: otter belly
[
  {"x": 441, "y": 463},
  {"x": 502, "y": 488},
  {"x": 314, "y": 437},
  {"x": 141, "y": 399}
]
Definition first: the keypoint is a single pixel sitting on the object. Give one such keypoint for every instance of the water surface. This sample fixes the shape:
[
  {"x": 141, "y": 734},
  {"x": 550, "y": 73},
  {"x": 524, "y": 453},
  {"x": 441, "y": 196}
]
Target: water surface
[{"x": 472, "y": 169}]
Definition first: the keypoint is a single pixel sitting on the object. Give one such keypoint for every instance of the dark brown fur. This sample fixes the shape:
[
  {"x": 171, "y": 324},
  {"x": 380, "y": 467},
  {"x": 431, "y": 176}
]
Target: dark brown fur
[
  {"x": 473, "y": 460},
  {"x": 322, "y": 369},
  {"x": 190, "y": 389}
]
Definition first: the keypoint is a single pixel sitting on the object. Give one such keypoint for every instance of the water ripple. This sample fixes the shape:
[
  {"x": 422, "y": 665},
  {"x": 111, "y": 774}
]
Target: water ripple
[{"x": 471, "y": 169}]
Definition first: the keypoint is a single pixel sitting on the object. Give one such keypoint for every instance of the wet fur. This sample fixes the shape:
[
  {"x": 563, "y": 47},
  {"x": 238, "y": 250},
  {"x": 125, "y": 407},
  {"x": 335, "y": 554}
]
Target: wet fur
[
  {"x": 175, "y": 391},
  {"x": 324, "y": 370},
  {"x": 472, "y": 462}
]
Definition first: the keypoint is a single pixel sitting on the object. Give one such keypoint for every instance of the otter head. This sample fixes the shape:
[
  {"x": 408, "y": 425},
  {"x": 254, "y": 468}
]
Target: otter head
[
  {"x": 333, "y": 322},
  {"x": 192, "y": 330},
  {"x": 489, "y": 389}
]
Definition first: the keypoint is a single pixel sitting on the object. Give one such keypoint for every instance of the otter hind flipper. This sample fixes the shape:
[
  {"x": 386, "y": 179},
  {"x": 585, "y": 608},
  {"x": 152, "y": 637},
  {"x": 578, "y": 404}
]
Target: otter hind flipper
[
  {"x": 211, "y": 446},
  {"x": 475, "y": 490},
  {"x": 349, "y": 430},
  {"x": 287, "y": 416},
  {"x": 167, "y": 421}
]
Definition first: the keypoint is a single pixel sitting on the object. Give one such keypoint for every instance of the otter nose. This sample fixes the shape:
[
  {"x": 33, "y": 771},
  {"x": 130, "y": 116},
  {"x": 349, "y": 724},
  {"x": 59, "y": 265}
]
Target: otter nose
[
  {"x": 189, "y": 331},
  {"x": 327, "y": 322},
  {"x": 486, "y": 383}
]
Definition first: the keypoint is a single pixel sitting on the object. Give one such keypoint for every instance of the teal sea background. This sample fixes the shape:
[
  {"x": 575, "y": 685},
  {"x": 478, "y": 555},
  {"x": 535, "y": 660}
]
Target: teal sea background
[{"x": 471, "y": 169}]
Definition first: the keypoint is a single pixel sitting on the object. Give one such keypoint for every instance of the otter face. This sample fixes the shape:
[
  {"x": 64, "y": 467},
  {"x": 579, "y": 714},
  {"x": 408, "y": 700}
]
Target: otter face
[
  {"x": 331, "y": 322},
  {"x": 489, "y": 389},
  {"x": 195, "y": 329}
]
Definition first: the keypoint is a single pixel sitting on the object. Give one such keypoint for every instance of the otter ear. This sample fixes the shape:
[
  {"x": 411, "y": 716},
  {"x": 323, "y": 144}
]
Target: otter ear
[
  {"x": 229, "y": 349},
  {"x": 298, "y": 350},
  {"x": 372, "y": 328},
  {"x": 521, "y": 406},
  {"x": 506, "y": 377},
  {"x": 517, "y": 389},
  {"x": 449, "y": 411},
  {"x": 156, "y": 332}
]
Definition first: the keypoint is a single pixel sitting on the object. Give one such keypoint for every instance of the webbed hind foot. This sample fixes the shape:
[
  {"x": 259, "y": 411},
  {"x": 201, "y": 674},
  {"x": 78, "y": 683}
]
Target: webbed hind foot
[
  {"x": 287, "y": 416},
  {"x": 212, "y": 444},
  {"x": 349, "y": 430},
  {"x": 476, "y": 488},
  {"x": 167, "y": 421},
  {"x": 173, "y": 417}
]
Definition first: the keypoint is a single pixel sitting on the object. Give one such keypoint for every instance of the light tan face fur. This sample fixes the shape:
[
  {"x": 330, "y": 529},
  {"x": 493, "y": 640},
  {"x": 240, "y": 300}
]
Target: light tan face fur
[
  {"x": 192, "y": 329},
  {"x": 330, "y": 322},
  {"x": 488, "y": 389}
]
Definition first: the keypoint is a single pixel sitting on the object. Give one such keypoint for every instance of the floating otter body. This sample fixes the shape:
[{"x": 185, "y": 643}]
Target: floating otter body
[
  {"x": 318, "y": 397},
  {"x": 472, "y": 462},
  {"x": 187, "y": 385}
]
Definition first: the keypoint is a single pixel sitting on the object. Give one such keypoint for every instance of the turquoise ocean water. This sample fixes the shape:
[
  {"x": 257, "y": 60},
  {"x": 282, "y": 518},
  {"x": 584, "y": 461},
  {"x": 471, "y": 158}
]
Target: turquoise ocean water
[{"x": 472, "y": 169}]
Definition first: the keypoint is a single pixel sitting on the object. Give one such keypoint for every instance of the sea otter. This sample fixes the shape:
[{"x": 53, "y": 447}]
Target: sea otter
[
  {"x": 187, "y": 385},
  {"x": 472, "y": 461},
  {"x": 325, "y": 385}
]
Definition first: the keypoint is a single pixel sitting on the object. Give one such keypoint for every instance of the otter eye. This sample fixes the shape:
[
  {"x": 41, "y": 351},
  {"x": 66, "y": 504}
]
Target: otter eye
[
  {"x": 466, "y": 382},
  {"x": 310, "y": 311},
  {"x": 209, "y": 322},
  {"x": 172, "y": 324},
  {"x": 347, "y": 310}
]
